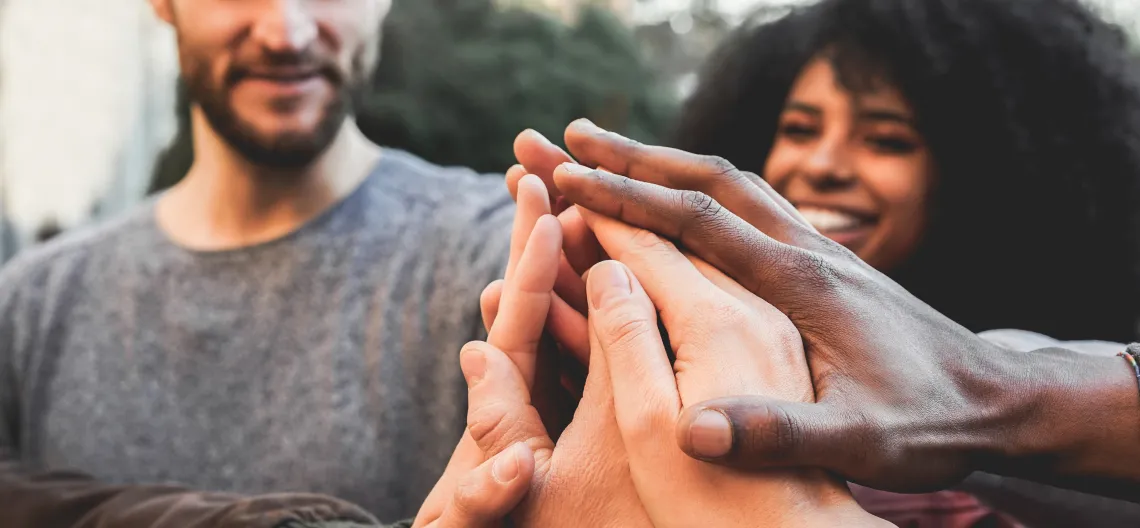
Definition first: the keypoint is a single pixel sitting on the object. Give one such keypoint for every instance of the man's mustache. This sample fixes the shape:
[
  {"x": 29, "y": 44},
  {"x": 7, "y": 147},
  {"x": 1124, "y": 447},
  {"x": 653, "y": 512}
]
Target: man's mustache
[{"x": 285, "y": 66}]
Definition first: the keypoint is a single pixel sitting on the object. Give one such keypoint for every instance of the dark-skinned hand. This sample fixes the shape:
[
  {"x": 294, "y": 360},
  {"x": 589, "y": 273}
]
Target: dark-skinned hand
[{"x": 906, "y": 399}]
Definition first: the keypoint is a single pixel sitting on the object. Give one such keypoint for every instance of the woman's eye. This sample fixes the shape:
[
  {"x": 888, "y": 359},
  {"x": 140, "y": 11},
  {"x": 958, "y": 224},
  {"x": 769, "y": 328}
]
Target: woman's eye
[
  {"x": 892, "y": 145},
  {"x": 798, "y": 131}
]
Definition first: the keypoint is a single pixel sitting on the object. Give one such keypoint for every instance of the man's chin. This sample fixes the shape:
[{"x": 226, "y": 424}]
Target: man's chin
[
  {"x": 282, "y": 147},
  {"x": 277, "y": 140}
]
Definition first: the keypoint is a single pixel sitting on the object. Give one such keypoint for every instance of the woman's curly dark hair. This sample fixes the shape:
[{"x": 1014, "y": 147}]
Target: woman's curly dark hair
[{"x": 1031, "y": 109}]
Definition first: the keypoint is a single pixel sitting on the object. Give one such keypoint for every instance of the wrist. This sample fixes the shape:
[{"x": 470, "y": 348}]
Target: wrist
[
  {"x": 792, "y": 497},
  {"x": 1063, "y": 414}
]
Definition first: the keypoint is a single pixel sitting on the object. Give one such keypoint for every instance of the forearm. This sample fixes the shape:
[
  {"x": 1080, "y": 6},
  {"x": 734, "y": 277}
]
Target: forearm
[
  {"x": 1068, "y": 419},
  {"x": 1039, "y": 505},
  {"x": 72, "y": 500}
]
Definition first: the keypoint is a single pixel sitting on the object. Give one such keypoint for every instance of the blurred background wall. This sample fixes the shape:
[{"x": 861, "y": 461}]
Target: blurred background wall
[{"x": 90, "y": 120}]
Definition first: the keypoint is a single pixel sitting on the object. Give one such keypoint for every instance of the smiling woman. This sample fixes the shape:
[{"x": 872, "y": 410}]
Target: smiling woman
[
  {"x": 983, "y": 154},
  {"x": 853, "y": 164}
]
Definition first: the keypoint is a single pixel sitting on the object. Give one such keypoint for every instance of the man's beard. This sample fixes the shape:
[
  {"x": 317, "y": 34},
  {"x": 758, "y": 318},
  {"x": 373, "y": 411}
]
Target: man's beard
[{"x": 281, "y": 150}]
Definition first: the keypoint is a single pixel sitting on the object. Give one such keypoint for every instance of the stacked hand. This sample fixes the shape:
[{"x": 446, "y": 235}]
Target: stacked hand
[
  {"x": 906, "y": 399},
  {"x": 843, "y": 370},
  {"x": 618, "y": 462}
]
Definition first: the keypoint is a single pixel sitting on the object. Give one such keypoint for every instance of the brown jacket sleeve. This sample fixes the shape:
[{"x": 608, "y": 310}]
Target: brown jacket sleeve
[{"x": 73, "y": 500}]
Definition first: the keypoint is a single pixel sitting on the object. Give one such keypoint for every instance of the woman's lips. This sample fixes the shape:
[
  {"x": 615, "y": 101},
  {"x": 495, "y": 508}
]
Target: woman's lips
[{"x": 845, "y": 227}]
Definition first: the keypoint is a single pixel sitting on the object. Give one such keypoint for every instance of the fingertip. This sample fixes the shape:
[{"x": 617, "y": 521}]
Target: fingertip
[
  {"x": 525, "y": 458},
  {"x": 492, "y": 292},
  {"x": 581, "y": 124},
  {"x": 549, "y": 226},
  {"x": 489, "y": 302},
  {"x": 506, "y": 466},
  {"x": 531, "y": 187},
  {"x": 515, "y": 462},
  {"x": 531, "y": 181},
  {"x": 608, "y": 283},
  {"x": 516, "y": 171},
  {"x": 531, "y": 134},
  {"x": 704, "y": 433},
  {"x": 487, "y": 494},
  {"x": 579, "y": 128},
  {"x": 473, "y": 362}
]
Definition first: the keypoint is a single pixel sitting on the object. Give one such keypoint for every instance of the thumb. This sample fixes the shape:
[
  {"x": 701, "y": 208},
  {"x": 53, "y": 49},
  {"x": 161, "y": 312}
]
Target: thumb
[
  {"x": 755, "y": 432},
  {"x": 487, "y": 494}
]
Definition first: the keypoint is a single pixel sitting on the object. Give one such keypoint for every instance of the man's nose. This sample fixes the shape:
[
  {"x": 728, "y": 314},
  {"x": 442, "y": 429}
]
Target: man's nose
[{"x": 285, "y": 26}]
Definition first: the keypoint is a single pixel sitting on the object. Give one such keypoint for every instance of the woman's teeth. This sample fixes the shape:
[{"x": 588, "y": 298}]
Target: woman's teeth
[{"x": 829, "y": 219}]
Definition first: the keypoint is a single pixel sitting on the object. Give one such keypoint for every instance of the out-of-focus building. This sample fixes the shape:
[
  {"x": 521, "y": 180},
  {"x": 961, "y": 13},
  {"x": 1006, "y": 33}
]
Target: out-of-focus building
[{"x": 86, "y": 103}]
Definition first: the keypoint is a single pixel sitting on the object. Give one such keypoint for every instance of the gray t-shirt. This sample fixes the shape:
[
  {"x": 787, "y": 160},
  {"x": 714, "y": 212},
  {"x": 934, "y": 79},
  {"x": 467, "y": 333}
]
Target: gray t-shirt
[{"x": 325, "y": 361}]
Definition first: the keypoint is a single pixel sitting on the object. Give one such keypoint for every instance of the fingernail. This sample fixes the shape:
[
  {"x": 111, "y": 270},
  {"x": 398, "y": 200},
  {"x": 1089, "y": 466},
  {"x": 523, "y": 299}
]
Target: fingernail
[
  {"x": 710, "y": 435},
  {"x": 574, "y": 168},
  {"x": 539, "y": 136},
  {"x": 582, "y": 121},
  {"x": 474, "y": 363},
  {"x": 506, "y": 467},
  {"x": 607, "y": 282}
]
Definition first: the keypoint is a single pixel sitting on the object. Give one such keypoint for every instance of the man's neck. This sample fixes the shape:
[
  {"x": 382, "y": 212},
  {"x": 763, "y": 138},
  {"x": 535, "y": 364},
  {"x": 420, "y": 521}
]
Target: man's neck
[{"x": 225, "y": 202}]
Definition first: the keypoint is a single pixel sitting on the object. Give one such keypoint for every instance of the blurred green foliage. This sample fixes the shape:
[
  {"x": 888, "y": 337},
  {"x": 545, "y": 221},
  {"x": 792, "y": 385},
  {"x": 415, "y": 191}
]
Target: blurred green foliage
[{"x": 459, "y": 79}]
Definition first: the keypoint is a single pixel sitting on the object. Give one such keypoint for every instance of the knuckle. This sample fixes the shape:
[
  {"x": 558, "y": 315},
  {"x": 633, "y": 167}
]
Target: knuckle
[
  {"x": 750, "y": 177},
  {"x": 625, "y": 327},
  {"x": 718, "y": 166},
  {"x": 874, "y": 444},
  {"x": 645, "y": 429},
  {"x": 645, "y": 240},
  {"x": 623, "y": 145},
  {"x": 704, "y": 216},
  {"x": 469, "y": 496},
  {"x": 700, "y": 205},
  {"x": 497, "y": 425},
  {"x": 788, "y": 434},
  {"x": 816, "y": 271},
  {"x": 714, "y": 316},
  {"x": 771, "y": 434}
]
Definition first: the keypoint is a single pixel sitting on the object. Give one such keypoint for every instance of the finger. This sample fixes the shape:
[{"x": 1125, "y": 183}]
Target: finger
[
  {"x": 604, "y": 191},
  {"x": 578, "y": 242},
  {"x": 500, "y": 413},
  {"x": 570, "y": 330},
  {"x": 465, "y": 458},
  {"x": 757, "y": 432},
  {"x": 675, "y": 286},
  {"x": 491, "y": 491},
  {"x": 541, "y": 157},
  {"x": 514, "y": 174},
  {"x": 741, "y": 192},
  {"x": 489, "y": 303},
  {"x": 623, "y": 326},
  {"x": 533, "y": 202},
  {"x": 569, "y": 284},
  {"x": 780, "y": 273},
  {"x": 525, "y": 302}
]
